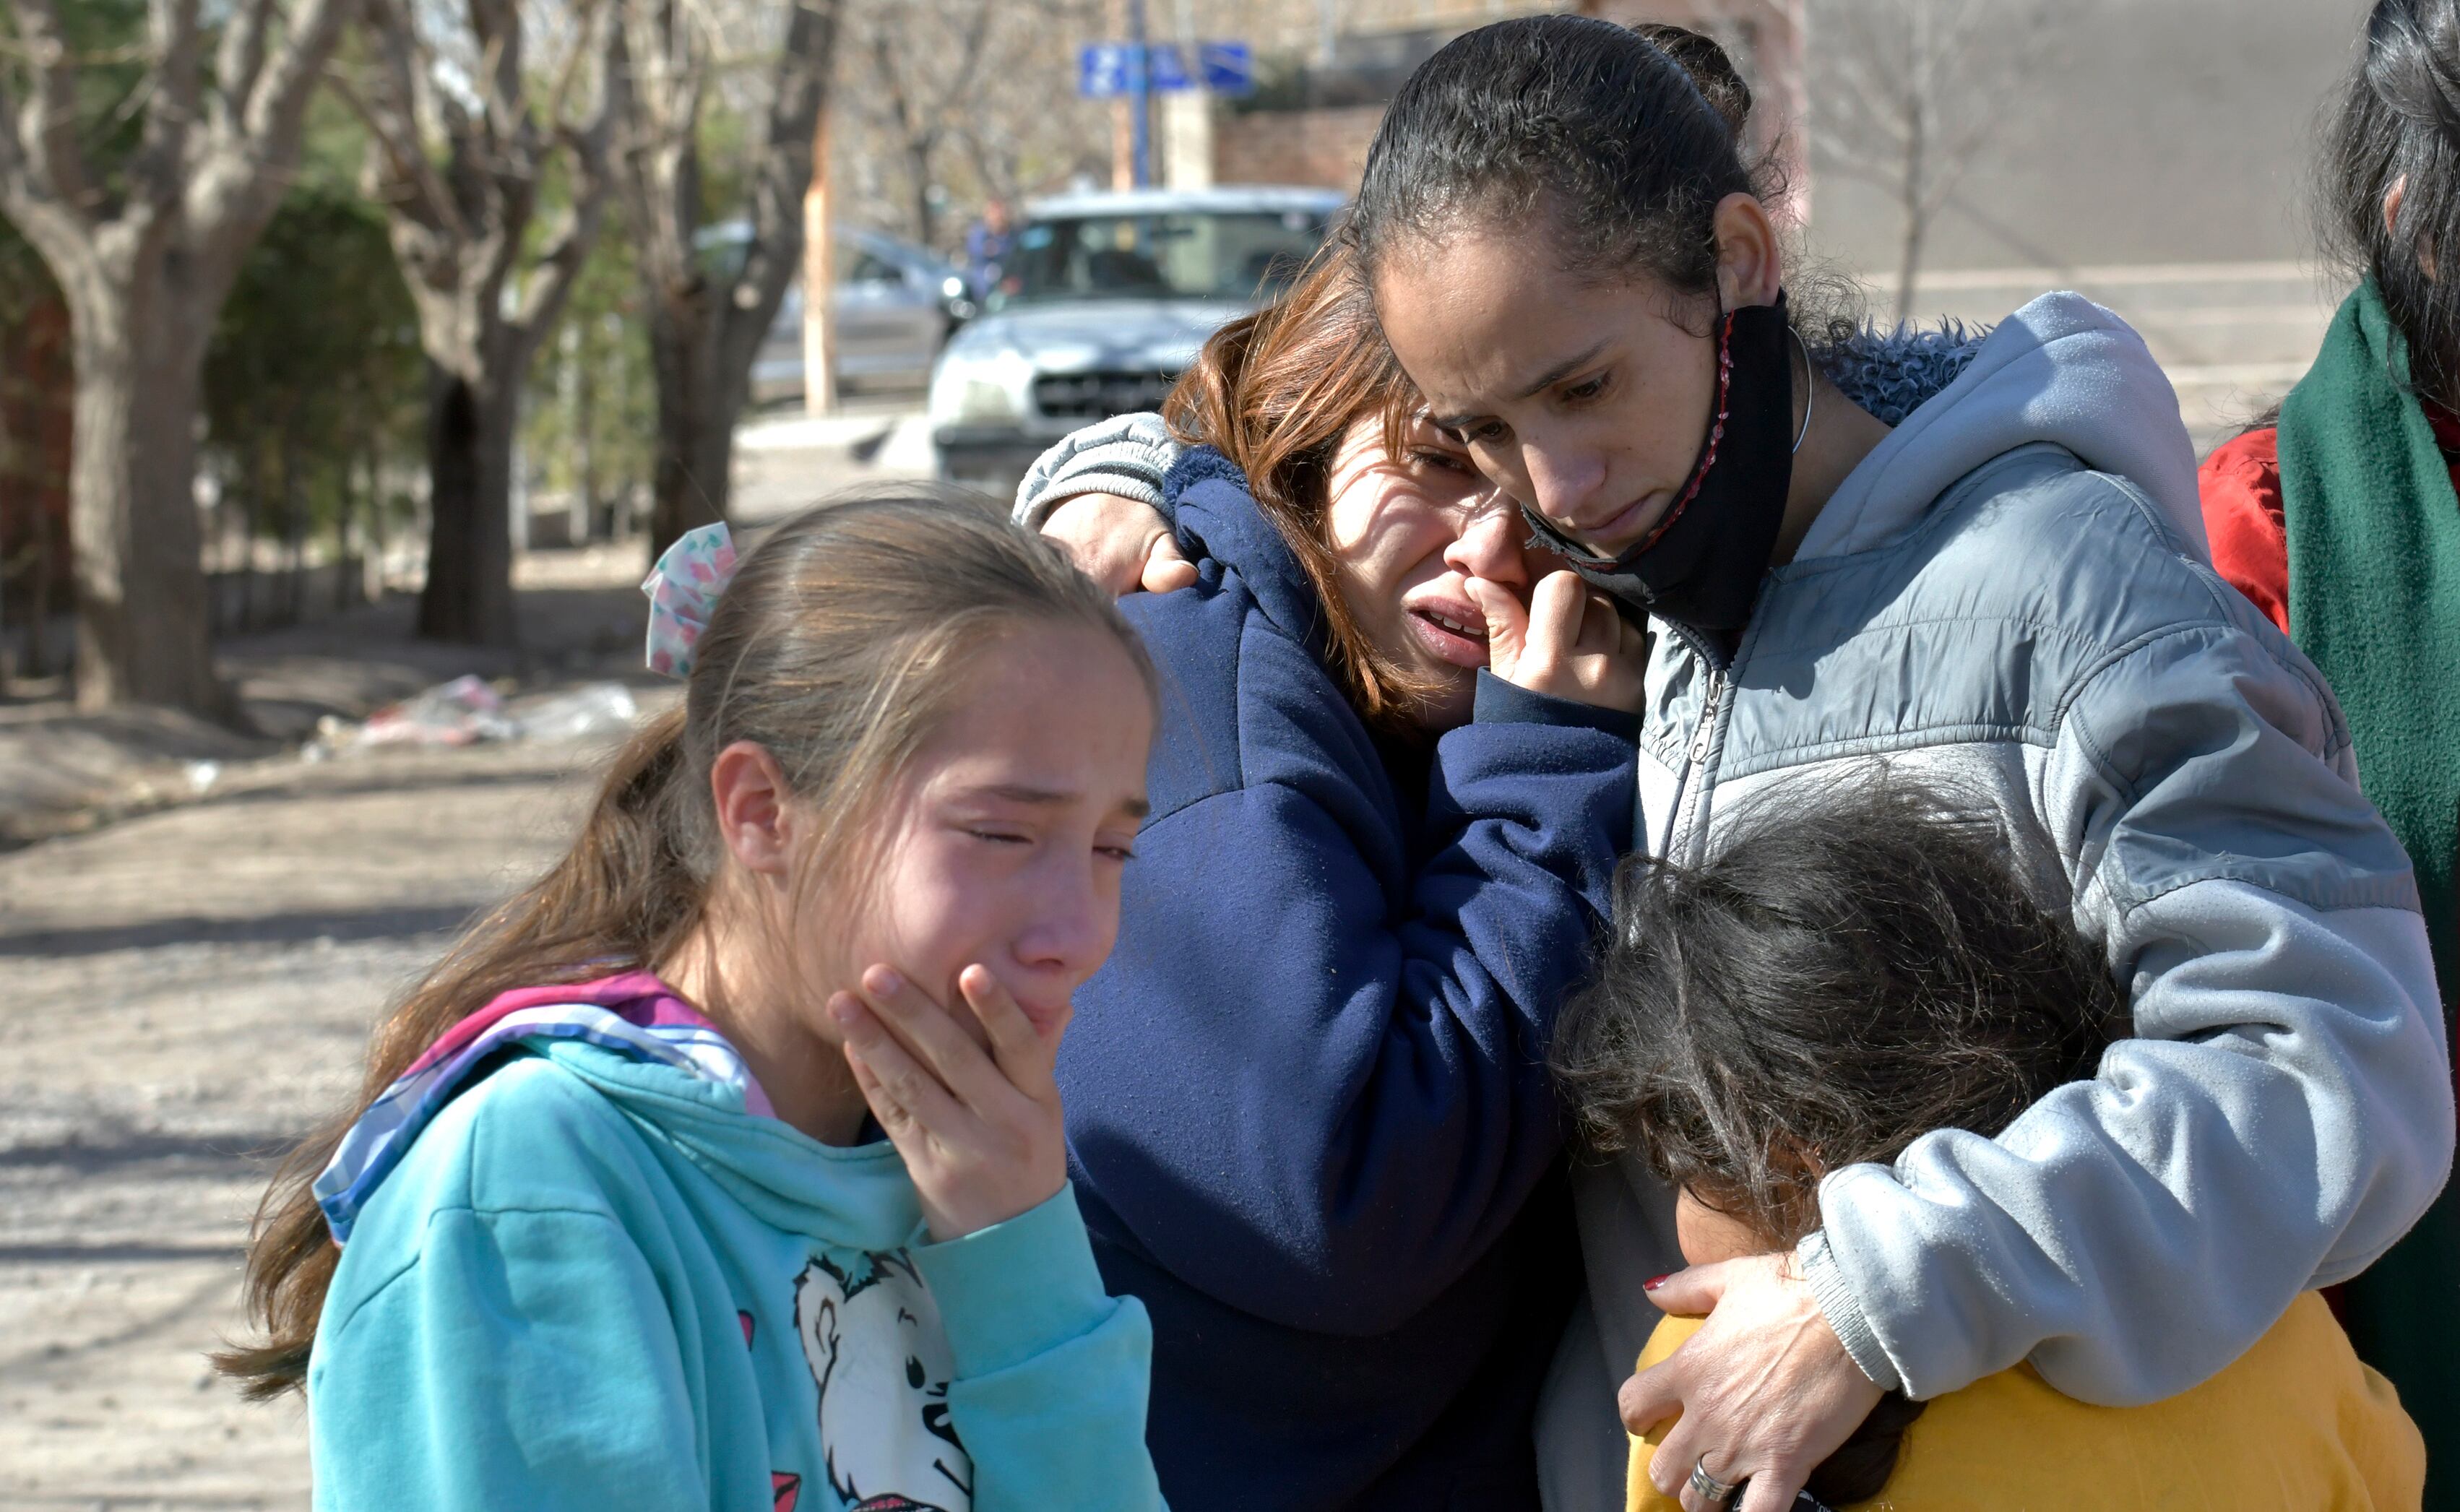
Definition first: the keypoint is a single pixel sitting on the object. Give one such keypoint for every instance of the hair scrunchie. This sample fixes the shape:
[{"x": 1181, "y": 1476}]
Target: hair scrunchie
[{"x": 683, "y": 590}]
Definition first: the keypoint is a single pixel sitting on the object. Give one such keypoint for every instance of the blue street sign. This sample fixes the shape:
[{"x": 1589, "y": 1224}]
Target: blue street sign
[
  {"x": 1107, "y": 70},
  {"x": 1166, "y": 70},
  {"x": 1102, "y": 70},
  {"x": 1228, "y": 68}
]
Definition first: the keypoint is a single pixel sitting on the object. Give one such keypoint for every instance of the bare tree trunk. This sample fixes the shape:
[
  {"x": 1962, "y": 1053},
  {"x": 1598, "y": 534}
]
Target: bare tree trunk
[
  {"x": 251, "y": 520},
  {"x": 143, "y": 632},
  {"x": 918, "y": 156},
  {"x": 38, "y": 656},
  {"x": 346, "y": 508},
  {"x": 469, "y": 591},
  {"x": 460, "y": 231},
  {"x": 584, "y": 436},
  {"x": 294, "y": 534},
  {"x": 704, "y": 336},
  {"x": 379, "y": 535},
  {"x": 1915, "y": 202},
  {"x": 695, "y": 424},
  {"x": 143, "y": 284},
  {"x": 1909, "y": 263}
]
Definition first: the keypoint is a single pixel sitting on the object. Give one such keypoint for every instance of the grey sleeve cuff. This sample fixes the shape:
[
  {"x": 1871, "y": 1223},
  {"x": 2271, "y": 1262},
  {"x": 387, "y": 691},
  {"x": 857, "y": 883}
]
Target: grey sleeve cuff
[
  {"x": 1127, "y": 455},
  {"x": 1827, "y": 1281}
]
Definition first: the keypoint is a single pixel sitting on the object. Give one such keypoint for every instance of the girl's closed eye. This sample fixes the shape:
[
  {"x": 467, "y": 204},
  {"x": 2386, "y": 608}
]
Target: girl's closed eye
[{"x": 1587, "y": 389}]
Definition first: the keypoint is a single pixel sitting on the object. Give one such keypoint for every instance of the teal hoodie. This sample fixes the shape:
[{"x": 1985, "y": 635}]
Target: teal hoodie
[{"x": 582, "y": 1275}]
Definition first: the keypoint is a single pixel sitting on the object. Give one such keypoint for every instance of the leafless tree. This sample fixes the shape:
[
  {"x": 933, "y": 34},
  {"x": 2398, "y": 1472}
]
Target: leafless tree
[
  {"x": 925, "y": 64},
  {"x": 144, "y": 256},
  {"x": 1915, "y": 92},
  {"x": 709, "y": 304},
  {"x": 963, "y": 101},
  {"x": 467, "y": 127}
]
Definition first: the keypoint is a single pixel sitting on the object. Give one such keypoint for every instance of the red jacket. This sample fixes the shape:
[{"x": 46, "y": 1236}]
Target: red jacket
[{"x": 2240, "y": 485}]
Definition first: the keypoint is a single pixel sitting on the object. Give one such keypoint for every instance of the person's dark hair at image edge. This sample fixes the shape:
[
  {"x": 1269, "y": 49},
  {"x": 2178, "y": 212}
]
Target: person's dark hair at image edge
[{"x": 2398, "y": 126}]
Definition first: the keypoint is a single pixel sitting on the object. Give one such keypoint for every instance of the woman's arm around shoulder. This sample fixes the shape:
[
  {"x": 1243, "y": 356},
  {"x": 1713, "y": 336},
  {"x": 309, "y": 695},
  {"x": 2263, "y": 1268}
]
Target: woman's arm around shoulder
[
  {"x": 1052, "y": 1374},
  {"x": 2284, "y": 1114},
  {"x": 1127, "y": 456}
]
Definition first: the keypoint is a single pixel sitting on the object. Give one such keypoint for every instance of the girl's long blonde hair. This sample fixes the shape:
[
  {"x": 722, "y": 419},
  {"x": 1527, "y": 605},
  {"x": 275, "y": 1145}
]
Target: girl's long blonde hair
[{"x": 842, "y": 642}]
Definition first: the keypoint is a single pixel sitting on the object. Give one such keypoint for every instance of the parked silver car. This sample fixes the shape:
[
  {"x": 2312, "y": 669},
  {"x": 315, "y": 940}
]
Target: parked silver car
[
  {"x": 1104, "y": 299},
  {"x": 895, "y": 305}
]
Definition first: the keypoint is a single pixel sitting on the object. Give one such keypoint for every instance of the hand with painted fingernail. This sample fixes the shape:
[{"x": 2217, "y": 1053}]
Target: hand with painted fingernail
[{"x": 974, "y": 1111}]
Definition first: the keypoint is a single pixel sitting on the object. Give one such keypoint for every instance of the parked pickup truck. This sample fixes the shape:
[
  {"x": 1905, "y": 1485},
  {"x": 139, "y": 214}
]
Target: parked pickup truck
[{"x": 1103, "y": 300}]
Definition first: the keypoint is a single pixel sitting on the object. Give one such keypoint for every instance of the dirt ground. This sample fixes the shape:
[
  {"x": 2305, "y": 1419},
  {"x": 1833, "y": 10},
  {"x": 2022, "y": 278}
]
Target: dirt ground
[
  {"x": 193, "y": 970},
  {"x": 191, "y": 989}
]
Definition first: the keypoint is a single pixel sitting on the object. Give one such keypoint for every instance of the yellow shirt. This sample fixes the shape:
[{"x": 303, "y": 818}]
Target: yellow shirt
[{"x": 2298, "y": 1423}]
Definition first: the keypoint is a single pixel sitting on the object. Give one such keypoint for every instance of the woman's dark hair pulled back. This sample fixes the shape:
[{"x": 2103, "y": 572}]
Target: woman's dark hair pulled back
[
  {"x": 2398, "y": 124},
  {"x": 1619, "y": 141}
]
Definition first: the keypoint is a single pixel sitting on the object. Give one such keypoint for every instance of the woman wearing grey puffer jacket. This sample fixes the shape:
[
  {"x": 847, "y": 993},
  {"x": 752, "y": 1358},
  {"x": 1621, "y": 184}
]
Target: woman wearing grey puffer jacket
[{"x": 2007, "y": 594}]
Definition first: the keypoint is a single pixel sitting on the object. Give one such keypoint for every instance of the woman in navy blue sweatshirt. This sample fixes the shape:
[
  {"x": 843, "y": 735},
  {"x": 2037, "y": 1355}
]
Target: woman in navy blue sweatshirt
[{"x": 1307, "y": 1105}]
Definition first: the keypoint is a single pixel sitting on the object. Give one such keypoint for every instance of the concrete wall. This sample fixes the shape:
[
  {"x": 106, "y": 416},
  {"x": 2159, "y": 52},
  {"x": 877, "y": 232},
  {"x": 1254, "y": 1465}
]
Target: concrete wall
[
  {"x": 2153, "y": 131},
  {"x": 1327, "y": 147}
]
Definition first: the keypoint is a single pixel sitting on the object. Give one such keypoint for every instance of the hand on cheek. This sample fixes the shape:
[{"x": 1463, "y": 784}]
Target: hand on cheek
[
  {"x": 979, "y": 1130},
  {"x": 1567, "y": 642}
]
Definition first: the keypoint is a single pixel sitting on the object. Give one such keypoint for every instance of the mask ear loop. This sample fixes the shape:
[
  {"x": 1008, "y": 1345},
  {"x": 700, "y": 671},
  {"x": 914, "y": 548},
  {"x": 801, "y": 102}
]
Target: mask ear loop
[
  {"x": 1810, "y": 387},
  {"x": 1544, "y": 536}
]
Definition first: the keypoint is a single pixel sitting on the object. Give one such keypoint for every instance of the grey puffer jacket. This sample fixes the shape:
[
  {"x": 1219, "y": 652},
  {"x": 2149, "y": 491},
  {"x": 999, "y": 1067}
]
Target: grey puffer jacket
[{"x": 2012, "y": 598}]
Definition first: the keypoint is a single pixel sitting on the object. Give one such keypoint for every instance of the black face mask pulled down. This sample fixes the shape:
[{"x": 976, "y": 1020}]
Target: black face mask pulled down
[{"x": 1701, "y": 567}]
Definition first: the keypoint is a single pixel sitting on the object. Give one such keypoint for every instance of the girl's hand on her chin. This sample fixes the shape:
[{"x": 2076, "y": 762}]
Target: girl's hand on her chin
[
  {"x": 980, "y": 1131},
  {"x": 1765, "y": 1391},
  {"x": 1120, "y": 543},
  {"x": 1569, "y": 642}
]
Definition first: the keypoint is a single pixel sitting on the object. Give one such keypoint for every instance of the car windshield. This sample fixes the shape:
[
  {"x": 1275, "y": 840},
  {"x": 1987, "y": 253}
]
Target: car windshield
[{"x": 1234, "y": 255}]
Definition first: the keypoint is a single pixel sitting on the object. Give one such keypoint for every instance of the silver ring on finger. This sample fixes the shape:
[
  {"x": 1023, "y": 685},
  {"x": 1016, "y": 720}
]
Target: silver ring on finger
[{"x": 1717, "y": 1491}]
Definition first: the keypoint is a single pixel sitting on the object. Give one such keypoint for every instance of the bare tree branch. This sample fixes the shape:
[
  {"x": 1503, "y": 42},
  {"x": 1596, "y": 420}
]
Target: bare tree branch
[
  {"x": 47, "y": 125},
  {"x": 559, "y": 97},
  {"x": 1914, "y": 90},
  {"x": 785, "y": 171},
  {"x": 277, "y": 103},
  {"x": 558, "y": 265},
  {"x": 390, "y": 109},
  {"x": 176, "y": 81},
  {"x": 239, "y": 61}
]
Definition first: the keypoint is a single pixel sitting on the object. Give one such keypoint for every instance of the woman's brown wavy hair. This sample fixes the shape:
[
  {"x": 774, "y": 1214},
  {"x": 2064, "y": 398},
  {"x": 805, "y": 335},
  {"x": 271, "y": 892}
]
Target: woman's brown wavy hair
[{"x": 1275, "y": 392}]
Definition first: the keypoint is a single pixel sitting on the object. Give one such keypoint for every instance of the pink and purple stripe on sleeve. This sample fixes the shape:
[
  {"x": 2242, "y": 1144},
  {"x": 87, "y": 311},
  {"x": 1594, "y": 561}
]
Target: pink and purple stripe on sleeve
[{"x": 633, "y": 1013}]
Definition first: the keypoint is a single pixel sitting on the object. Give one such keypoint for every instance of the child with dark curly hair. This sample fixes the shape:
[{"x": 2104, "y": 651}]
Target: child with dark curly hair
[{"x": 1844, "y": 982}]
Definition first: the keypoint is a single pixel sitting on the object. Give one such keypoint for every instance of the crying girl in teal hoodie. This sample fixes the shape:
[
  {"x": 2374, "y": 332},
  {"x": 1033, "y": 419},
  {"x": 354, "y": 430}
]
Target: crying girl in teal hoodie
[{"x": 723, "y": 1168}]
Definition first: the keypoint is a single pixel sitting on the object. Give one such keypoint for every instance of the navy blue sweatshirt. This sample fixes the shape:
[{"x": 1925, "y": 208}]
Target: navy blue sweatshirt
[{"x": 1308, "y": 1113}]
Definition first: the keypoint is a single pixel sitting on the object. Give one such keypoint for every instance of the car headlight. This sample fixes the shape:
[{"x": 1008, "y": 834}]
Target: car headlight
[
  {"x": 985, "y": 402},
  {"x": 980, "y": 388}
]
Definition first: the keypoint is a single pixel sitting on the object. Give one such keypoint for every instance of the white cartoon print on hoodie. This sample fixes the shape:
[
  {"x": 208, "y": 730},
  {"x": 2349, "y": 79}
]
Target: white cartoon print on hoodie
[{"x": 872, "y": 1337}]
